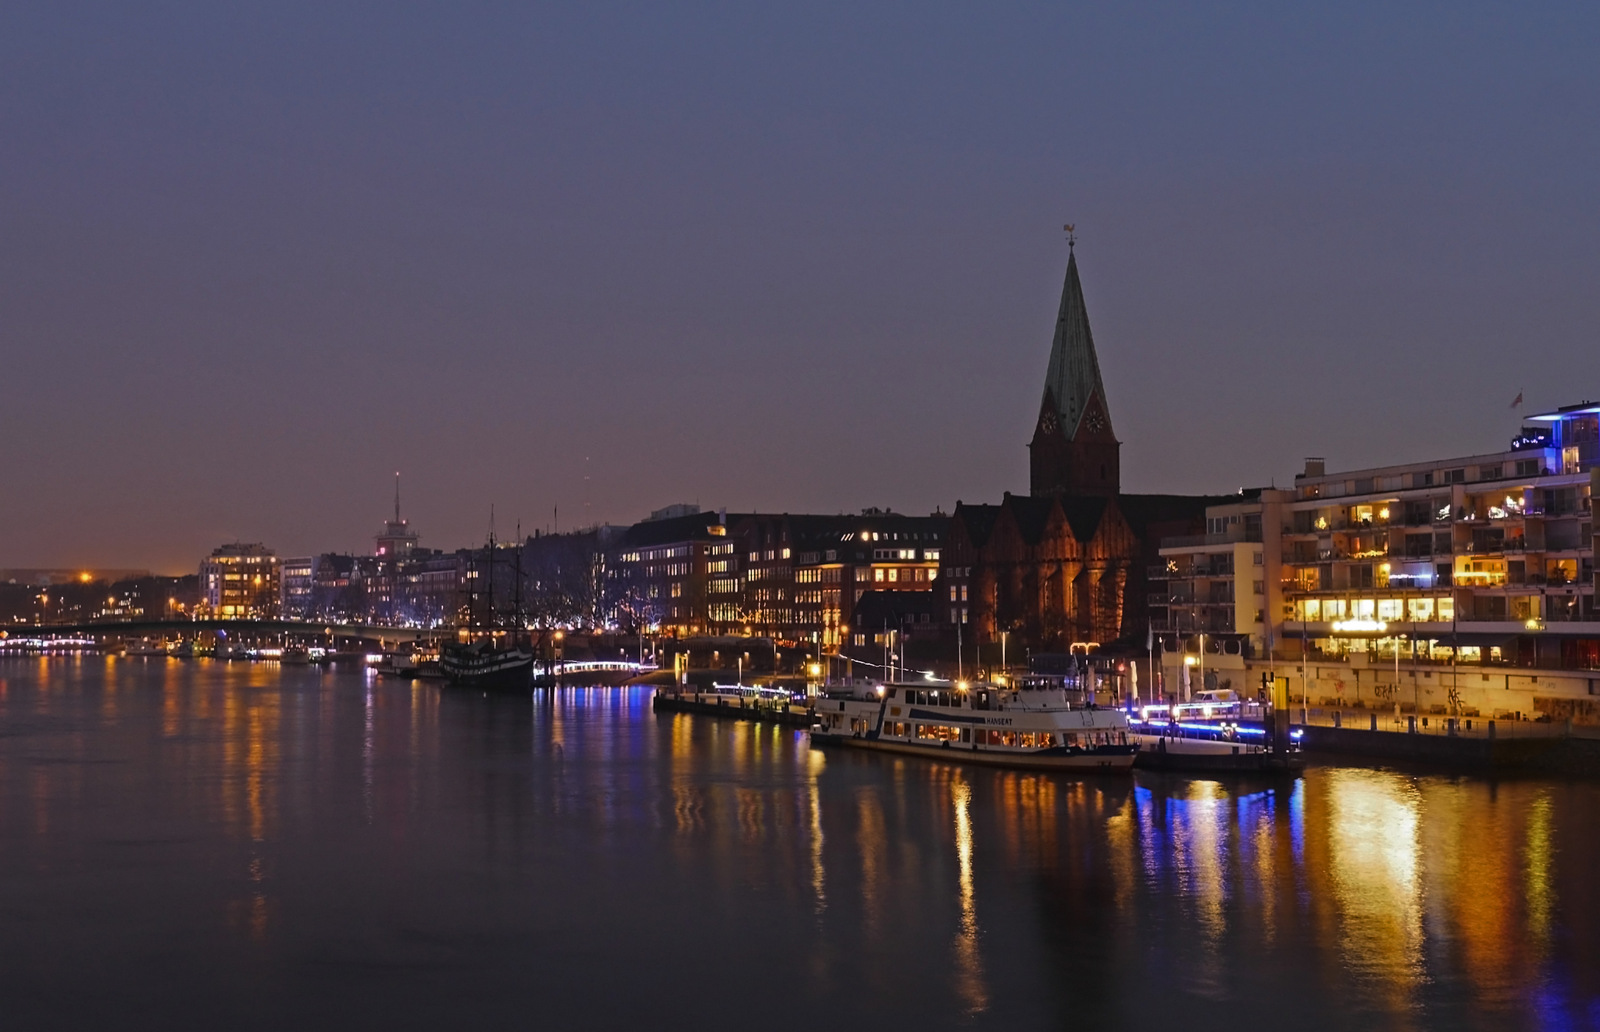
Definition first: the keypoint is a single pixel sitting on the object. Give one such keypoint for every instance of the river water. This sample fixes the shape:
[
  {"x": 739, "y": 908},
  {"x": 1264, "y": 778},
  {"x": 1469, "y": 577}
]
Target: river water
[{"x": 199, "y": 844}]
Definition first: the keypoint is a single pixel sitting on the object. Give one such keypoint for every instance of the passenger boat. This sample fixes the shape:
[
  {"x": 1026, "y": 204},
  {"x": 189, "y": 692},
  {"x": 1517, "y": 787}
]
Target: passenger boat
[
  {"x": 1027, "y": 727},
  {"x": 144, "y": 647}
]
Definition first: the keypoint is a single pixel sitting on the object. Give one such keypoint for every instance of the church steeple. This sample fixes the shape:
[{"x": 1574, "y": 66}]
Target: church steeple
[
  {"x": 1074, "y": 373},
  {"x": 1074, "y": 449}
]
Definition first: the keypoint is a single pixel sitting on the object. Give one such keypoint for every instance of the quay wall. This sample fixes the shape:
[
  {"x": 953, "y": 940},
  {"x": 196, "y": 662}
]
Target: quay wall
[
  {"x": 1493, "y": 692},
  {"x": 1555, "y": 753}
]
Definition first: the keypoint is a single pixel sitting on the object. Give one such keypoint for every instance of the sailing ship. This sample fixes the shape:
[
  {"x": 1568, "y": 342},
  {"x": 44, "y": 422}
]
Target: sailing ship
[{"x": 492, "y": 658}]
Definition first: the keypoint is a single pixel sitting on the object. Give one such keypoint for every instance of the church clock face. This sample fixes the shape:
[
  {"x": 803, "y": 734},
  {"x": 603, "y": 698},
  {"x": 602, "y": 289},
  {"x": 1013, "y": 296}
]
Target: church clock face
[
  {"x": 1095, "y": 421},
  {"x": 1047, "y": 423}
]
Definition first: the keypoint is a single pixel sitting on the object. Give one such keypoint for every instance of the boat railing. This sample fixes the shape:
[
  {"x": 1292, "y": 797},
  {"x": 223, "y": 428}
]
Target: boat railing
[{"x": 1245, "y": 734}]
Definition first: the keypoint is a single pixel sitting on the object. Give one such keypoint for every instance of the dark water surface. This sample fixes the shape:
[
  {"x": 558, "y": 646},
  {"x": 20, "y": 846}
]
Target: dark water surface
[{"x": 188, "y": 845}]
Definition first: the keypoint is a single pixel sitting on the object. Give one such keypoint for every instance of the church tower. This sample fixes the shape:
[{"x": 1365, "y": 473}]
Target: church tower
[{"x": 1073, "y": 450}]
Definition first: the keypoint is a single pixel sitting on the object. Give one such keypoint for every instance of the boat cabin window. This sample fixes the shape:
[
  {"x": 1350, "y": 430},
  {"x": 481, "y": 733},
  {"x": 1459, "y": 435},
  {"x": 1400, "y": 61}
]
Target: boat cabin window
[{"x": 1018, "y": 739}]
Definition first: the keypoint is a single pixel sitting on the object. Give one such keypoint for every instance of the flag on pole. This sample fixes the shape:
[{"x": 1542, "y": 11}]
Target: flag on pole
[{"x": 1518, "y": 400}]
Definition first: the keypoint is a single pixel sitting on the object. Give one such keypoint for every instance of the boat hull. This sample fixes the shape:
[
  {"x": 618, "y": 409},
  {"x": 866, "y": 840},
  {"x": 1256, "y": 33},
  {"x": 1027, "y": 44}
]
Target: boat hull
[
  {"x": 1103, "y": 758},
  {"x": 505, "y": 670},
  {"x": 1158, "y": 752}
]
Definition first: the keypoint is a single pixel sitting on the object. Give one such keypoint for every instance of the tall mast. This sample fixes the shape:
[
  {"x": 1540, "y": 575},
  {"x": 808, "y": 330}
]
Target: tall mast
[
  {"x": 516, "y": 590},
  {"x": 493, "y": 614}
]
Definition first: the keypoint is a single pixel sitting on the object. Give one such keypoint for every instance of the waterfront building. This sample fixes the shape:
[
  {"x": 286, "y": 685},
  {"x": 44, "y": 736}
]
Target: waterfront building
[
  {"x": 1053, "y": 570},
  {"x": 664, "y": 572},
  {"x": 567, "y": 579},
  {"x": 805, "y": 575},
  {"x": 1066, "y": 566},
  {"x": 240, "y": 581},
  {"x": 1482, "y": 562},
  {"x": 296, "y": 587},
  {"x": 792, "y": 578},
  {"x": 436, "y": 586}
]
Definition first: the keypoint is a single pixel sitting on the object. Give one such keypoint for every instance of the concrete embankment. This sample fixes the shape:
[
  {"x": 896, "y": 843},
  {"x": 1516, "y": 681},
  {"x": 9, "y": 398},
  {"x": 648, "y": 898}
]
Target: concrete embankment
[{"x": 1556, "y": 753}]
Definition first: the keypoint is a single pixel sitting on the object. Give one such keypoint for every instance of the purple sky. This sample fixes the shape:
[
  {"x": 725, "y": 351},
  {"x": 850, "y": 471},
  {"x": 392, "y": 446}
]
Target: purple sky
[{"x": 255, "y": 258}]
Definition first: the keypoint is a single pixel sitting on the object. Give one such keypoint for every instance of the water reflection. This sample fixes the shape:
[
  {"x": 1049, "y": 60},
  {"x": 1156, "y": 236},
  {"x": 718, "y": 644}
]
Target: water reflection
[
  {"x": 321, "y": 836},
  {"x": 1373, "y": 851},
  {"x": 969, "y": 964}
]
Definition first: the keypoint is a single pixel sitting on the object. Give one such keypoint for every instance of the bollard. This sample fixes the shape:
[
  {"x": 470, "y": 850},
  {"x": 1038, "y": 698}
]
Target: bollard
[
  {"x": 1491, "y": 729},
  {"x": 1411, "y": 721},
  {"x": 1338, "y": 720},
  {"x": 1450, "y": 727},
  {"x": 1374, "y": 722}
]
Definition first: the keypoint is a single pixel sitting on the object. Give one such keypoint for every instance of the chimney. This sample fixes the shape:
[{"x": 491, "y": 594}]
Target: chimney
[{"x": 1316, "y": 466}]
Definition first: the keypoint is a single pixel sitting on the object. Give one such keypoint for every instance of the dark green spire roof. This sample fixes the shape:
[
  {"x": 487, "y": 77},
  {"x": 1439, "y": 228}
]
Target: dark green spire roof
[{"x": 1074, "y": 374}]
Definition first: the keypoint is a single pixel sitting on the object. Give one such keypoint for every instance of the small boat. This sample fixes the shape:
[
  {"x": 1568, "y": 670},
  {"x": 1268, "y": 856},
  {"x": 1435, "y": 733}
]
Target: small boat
[
  {"x": 1213, "y": 748},
  {"x": 1024, "y": 727},
  {"x": 295, "y": 656},
  {"x": 144, "y": 647},
  {"x": 182, "y": 650},
  {"x": 1218, "y": 704}
]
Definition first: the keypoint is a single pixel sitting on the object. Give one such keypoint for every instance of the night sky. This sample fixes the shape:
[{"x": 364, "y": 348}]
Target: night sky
[{"x": 255, "y": 258}]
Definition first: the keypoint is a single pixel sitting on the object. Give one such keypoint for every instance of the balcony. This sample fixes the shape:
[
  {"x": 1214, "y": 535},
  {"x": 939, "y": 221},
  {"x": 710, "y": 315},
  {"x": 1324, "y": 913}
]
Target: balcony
[{"x": 1197, "y": 540}]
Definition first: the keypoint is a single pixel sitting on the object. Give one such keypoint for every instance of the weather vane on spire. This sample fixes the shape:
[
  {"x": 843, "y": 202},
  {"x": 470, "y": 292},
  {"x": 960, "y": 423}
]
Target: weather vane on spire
[{"x": 1072, "y": 237}]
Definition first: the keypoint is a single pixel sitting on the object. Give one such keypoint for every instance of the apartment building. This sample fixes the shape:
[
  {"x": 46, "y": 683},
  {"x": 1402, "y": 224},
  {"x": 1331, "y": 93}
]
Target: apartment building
[
  {"x": 1483, "y": 562},
  {"x": 794, "y": 578},
  {"x": 240, "y": 582}
]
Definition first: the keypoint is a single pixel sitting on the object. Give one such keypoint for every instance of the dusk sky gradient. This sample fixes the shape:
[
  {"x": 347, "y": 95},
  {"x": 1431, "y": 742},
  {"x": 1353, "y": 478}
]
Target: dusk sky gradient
[{"x": 254, "y": 258}]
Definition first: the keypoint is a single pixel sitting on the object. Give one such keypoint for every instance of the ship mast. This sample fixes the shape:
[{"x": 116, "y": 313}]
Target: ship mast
[{"x": 493, "y": 612}]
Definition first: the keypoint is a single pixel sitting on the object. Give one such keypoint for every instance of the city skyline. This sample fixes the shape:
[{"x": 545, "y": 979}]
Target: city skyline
[{"x": 273, "y": 262}]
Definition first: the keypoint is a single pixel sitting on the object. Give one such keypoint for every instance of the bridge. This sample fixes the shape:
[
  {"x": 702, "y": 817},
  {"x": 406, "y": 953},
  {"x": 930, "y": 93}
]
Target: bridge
[{"x": 232, "y": 628}]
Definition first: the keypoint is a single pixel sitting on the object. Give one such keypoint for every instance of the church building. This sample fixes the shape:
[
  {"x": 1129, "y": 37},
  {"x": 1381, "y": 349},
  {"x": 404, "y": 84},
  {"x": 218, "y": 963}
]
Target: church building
[{"x": 1064, "y": 566}]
